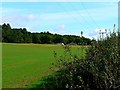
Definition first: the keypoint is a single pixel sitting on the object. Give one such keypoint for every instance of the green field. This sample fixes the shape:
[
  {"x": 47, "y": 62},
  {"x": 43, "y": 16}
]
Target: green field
[{"x": 25, "y": 64}]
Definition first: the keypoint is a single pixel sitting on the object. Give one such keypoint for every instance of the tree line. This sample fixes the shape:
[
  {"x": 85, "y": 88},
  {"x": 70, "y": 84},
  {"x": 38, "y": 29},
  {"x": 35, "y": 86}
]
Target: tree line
[{"x": 21, "y": 35}]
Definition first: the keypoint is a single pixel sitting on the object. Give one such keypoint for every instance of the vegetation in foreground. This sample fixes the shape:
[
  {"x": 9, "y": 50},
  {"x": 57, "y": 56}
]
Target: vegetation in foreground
[{"x": 100, "y": 69}]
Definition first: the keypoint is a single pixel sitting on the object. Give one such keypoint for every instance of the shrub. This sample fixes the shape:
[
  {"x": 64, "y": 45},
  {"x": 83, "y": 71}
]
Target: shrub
[
  {"x": 103, "y": 60},
  {"x": 100, "y": 69}
]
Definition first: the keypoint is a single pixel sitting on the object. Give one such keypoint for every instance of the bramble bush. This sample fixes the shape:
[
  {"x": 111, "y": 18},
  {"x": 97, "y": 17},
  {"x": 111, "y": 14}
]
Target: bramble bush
[{"x": 99, "y": 69}]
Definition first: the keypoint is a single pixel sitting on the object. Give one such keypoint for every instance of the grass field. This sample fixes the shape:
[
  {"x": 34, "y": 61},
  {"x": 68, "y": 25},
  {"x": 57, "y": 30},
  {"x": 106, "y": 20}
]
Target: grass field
[{"x": 25, "y": 64}]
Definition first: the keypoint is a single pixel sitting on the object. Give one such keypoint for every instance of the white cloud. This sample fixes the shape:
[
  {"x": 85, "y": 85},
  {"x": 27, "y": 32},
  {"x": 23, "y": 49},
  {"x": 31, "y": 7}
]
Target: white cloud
[
  {"x": 60, "y": 29},
  {"x": 100, "y": 30},
  {"x": 31, "y": 17},
  {"x": 95, "y": 33}
]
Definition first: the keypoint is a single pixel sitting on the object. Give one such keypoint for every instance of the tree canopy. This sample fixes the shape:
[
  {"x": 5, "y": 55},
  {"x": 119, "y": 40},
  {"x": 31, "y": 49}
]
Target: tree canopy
[{"x": 21, "y": 35}]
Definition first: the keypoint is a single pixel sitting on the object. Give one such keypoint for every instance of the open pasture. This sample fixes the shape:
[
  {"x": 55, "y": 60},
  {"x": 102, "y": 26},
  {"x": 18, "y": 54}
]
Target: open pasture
[{"x": 25, "y": 64}]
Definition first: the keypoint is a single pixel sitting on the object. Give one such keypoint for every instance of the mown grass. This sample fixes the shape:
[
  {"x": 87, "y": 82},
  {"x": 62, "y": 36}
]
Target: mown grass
[{"x": 25, "y": 64}]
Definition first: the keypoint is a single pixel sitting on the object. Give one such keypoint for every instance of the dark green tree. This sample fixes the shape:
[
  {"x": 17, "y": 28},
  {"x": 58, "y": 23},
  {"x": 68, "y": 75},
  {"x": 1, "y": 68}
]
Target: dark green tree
[{"x": 19, "y": 35}]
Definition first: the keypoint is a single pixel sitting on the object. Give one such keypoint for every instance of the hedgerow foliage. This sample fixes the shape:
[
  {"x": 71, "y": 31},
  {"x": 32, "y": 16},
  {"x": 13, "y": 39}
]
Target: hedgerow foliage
[{"x": 100, "y": 69}]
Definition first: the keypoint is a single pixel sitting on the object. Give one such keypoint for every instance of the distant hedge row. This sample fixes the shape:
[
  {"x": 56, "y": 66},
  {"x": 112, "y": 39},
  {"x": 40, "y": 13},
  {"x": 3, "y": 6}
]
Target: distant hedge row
[{"x": 14, "y": 35}]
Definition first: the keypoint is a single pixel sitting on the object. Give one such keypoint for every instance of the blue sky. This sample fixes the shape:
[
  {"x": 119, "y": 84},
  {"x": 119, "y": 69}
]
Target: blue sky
[{"x": 61, "y": 17}]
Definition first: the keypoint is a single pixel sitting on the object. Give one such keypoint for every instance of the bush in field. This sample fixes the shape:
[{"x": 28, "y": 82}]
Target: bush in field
[
  {"x": 103, "y": 61},
  {"x": 100, "y": 69}
]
